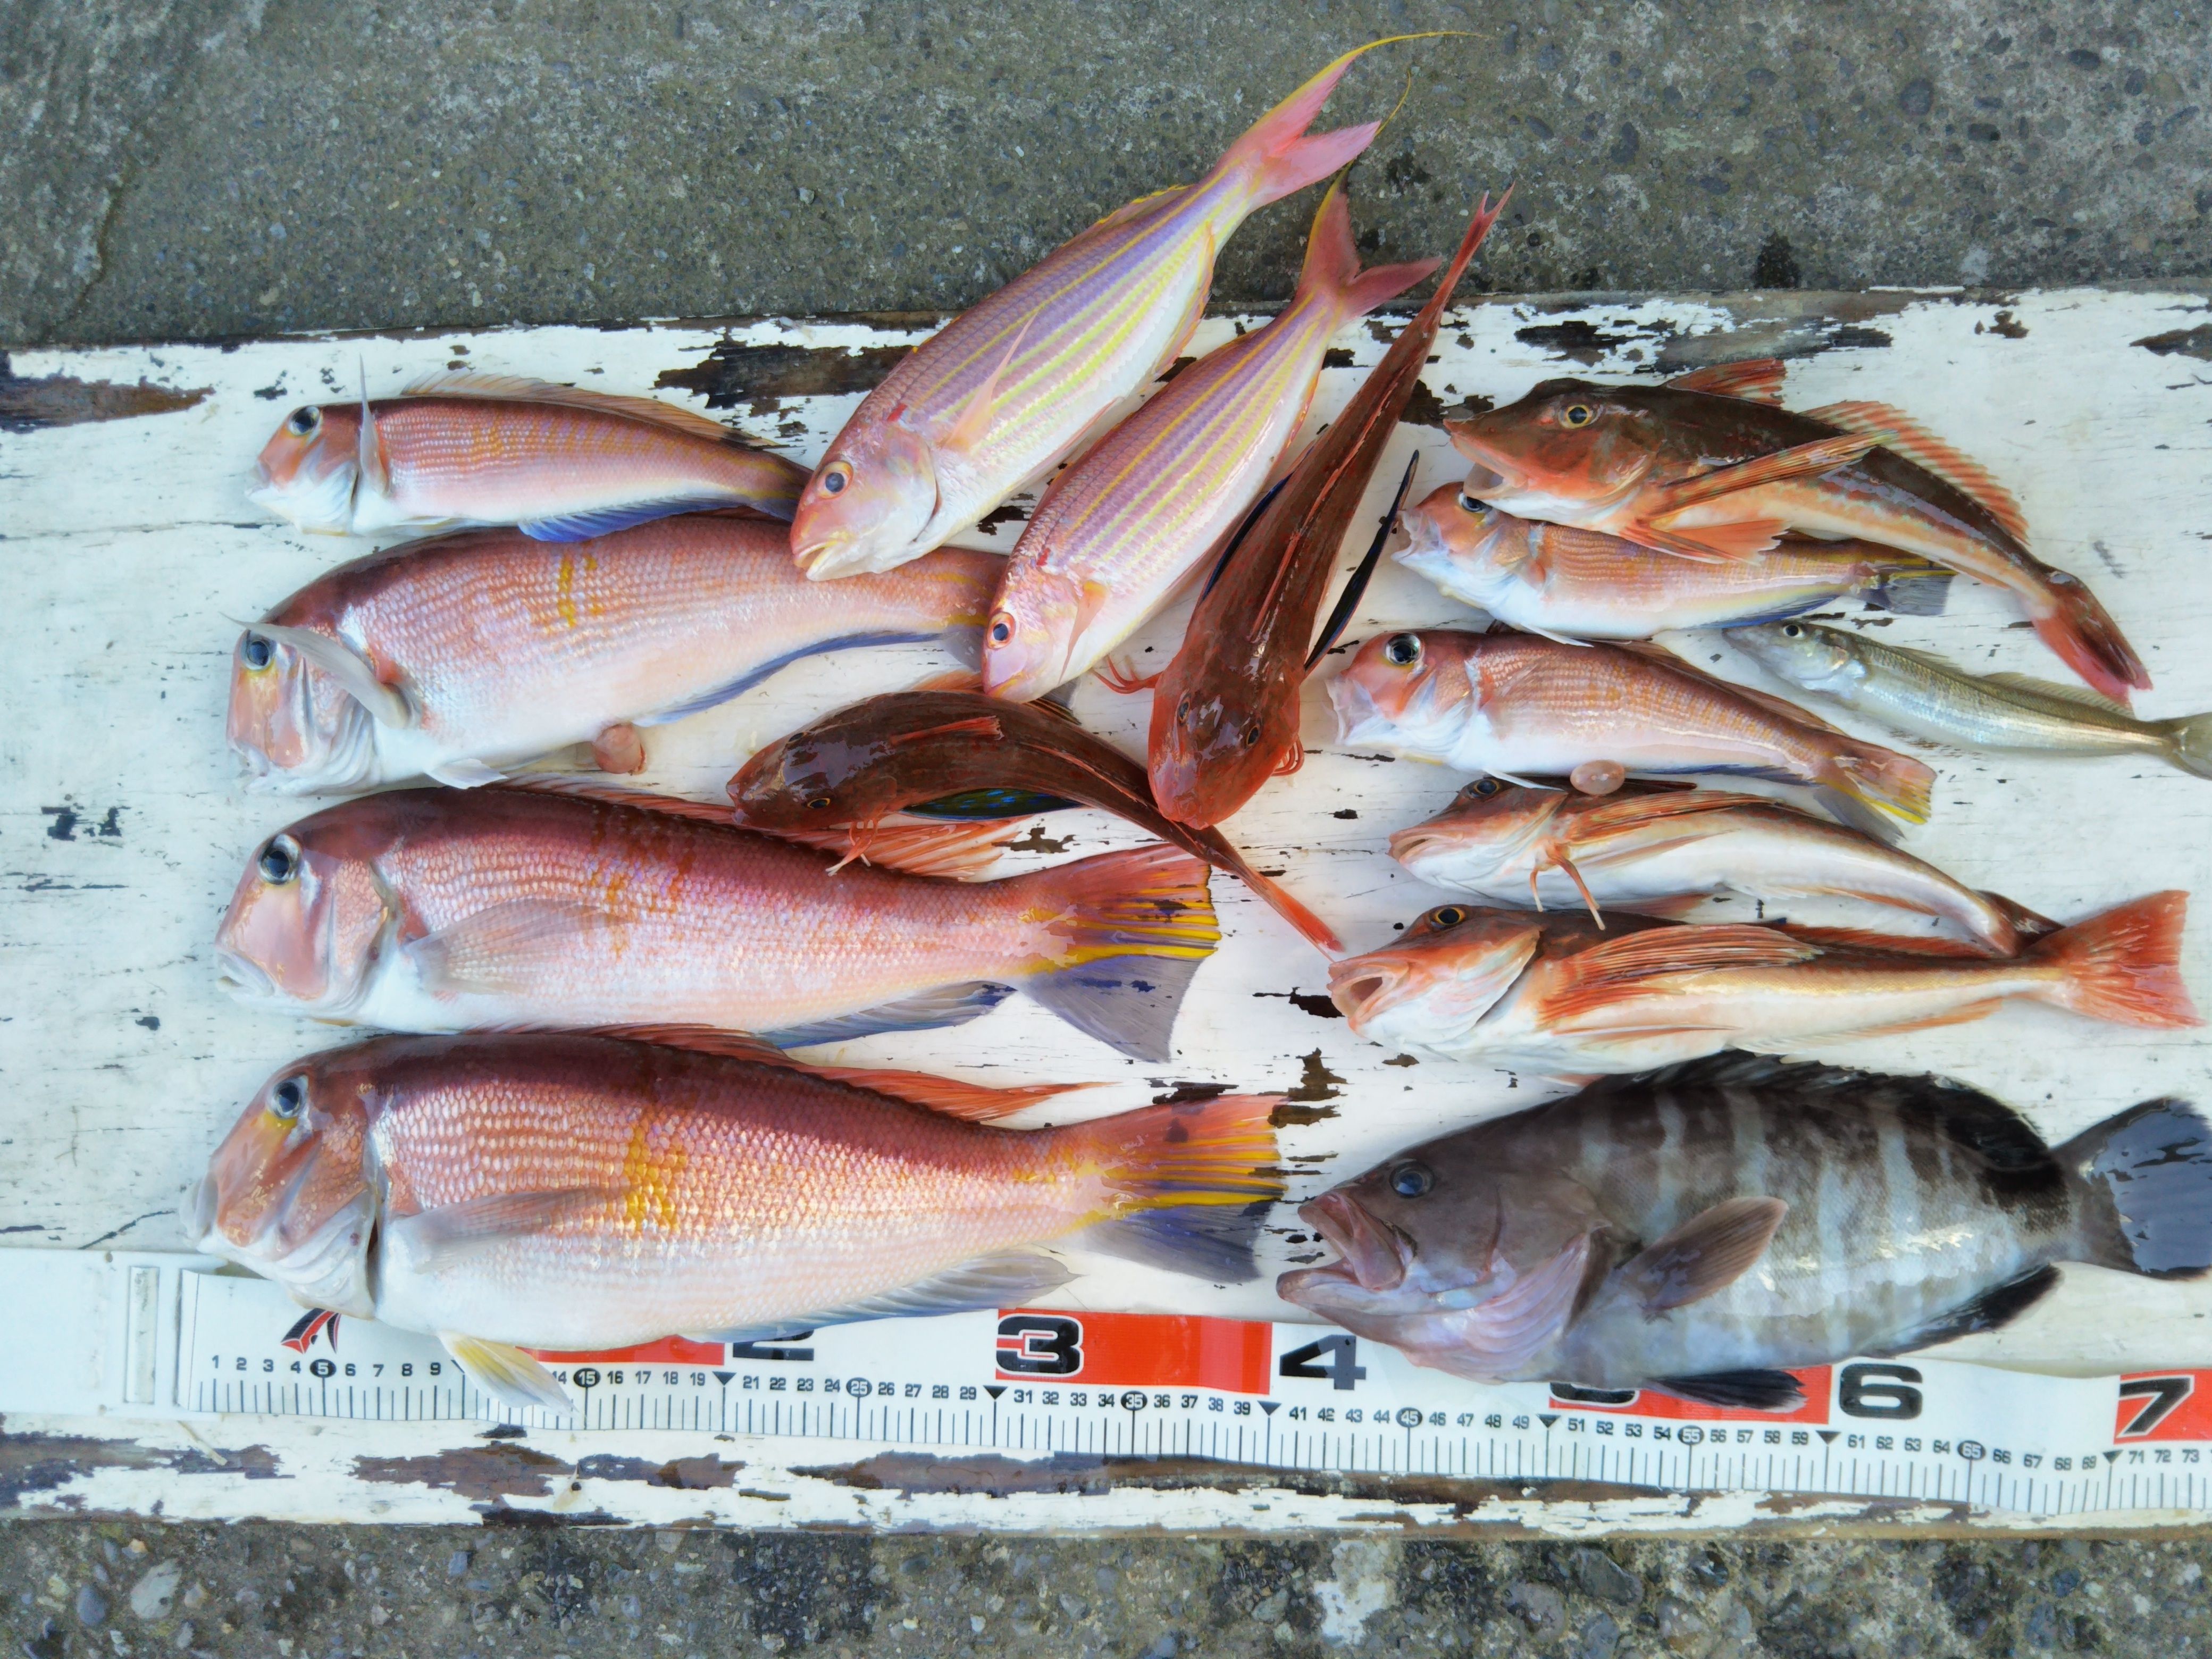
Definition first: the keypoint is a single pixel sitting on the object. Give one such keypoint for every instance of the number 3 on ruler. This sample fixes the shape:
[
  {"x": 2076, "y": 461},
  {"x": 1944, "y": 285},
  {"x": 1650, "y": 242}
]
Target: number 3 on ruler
[{"x": 1341, "y": 1371}]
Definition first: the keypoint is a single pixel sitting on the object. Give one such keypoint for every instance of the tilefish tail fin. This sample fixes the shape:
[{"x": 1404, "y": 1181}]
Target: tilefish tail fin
[
  {"x": 2149, "y": 1174},
  {"x": 1187, "y": 1184}
]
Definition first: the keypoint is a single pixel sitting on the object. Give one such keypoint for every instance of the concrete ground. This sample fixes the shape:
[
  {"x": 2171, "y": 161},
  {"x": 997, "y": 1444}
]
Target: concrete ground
[{"x": 194, "y": 168}]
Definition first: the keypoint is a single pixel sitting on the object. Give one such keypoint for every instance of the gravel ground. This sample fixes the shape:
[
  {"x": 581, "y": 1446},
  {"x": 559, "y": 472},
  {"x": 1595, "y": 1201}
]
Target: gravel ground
[{"x": 202, "y": 1590}]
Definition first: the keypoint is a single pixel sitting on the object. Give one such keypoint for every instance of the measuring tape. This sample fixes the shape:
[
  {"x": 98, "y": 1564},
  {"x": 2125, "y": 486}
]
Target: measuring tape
[{"x": 165, "y": 1336}]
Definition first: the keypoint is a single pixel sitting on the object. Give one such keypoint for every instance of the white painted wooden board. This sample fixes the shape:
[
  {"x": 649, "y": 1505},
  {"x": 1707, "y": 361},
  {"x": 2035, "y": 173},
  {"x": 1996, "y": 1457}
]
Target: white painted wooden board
[{"x": 132, "y": 555}]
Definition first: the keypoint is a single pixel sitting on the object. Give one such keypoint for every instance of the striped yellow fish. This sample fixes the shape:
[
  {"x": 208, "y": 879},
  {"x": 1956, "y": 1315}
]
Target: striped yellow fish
[
  {"x": 1122, "y": 529},
  {"x": 1007, "y": 389}
]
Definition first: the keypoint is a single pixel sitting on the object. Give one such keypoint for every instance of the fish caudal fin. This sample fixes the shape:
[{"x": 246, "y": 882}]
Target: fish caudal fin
[
  {"x": 2189, "y": 743},
  {"x": 2154, "y": 1162},
  {"x": 1882, "y": 777},
  {"x": 2084, "y": 637},
  {"x": 1128, "y": 930},
  {"x": 1912, "y": 593},
  {"x": 1332, "y": 266},
  {"x": 1288, "y": 160},
  {"x": 1187, "y": 1184},
  {"x": 2124, "y": 965}
]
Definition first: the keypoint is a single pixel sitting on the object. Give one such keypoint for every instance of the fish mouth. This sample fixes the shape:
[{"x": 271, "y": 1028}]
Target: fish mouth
[
  {"x": 1358, "y": 719},
  {"x": 1488, "y": 472},
  {"x": 1374, "y": 1255},
  {"x": 1363, "y": 987},
  {"x": 244, "y": 978}
]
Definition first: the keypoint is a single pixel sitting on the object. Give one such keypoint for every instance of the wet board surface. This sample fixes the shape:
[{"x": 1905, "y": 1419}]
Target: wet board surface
[{"x": 134, "y": 554}]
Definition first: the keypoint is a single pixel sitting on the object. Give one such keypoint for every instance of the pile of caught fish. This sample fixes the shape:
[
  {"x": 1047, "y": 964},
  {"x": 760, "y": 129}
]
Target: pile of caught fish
[{"x": 592, "y": 1133}]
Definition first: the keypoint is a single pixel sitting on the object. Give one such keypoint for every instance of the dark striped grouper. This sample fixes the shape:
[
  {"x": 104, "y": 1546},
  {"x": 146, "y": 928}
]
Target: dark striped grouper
[{"x": 1705, "y": 1229}]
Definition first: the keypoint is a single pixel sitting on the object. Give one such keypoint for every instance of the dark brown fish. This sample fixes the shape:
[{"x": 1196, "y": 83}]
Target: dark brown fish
[
  {"x": 906, "y": 748},
  {"x": 1706, "y": 1228}
]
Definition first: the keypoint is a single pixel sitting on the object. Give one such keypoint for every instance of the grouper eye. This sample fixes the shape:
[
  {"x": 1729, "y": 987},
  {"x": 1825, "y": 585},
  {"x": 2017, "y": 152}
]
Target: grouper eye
[
  {"x": 1402, "y": 650},
  {"x": 256, "y": 652},
  {"x": 288, "y": 1098},
  {"x": 279, "y": 861},
  {"x": 1412, "y": 1179},
  {"x": 304, "y": 420}
]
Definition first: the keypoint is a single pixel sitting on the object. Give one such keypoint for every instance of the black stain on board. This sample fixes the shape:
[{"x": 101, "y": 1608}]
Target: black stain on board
[
  {"x": 2181, "y": 341},
  {"x": 1578, "y": 339},
  {"x": 1318, "y": 1083},
  {"x": 761, "y": 377},
  {"x": 28, "y": 405},
  {"x": 1314, "y": 1003},
  {"x": 68, "y": 818}
]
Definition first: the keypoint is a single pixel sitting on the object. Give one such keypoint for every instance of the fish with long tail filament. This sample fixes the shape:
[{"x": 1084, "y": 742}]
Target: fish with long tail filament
[
  {"x": 454, "y": 657},
  {"x": 1555, "y": 995},
  {"x": 1919, "y": 693},
  {"x": 561, "y": 463},
  {"x": 1012, "y": 386},
  {"x": 1225, "y": 710},
  {"x": 1663, "y": 849},
  {"x": 567, "y": 1192},
  {"x": 1120, "y": 531},
  {"x": 1518, "y": 707},
  {"x": 430, "y": 910},
  {"x": 1708, "y": 1229},
  {"x": 908, "y": 748},
  {"x": 1710, "y": 466},
  {"x": 1564, "y": 582}
]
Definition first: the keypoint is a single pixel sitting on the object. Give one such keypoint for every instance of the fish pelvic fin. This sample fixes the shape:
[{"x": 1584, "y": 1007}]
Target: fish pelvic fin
[
  {"x": 1124, "y": 933},
  {"x": 2188, "y": 744},
  {"x": 1187, "y": 1184},
  {"x": 507, "y": 1373},
  {"x": 2084, "y": 637},
  {"x": 1332, "y": 265},
  {"x": 2153, "y": 1163},
  {"x": 1705, "y": 1254},
  {"x": 519, "y": 388},
  {"x": 2124, "y": 965},
  {"x": 1756, "y": 380},
  {"x": 1744, "y": 1391},
  {"x": 1898, "y": 784}
]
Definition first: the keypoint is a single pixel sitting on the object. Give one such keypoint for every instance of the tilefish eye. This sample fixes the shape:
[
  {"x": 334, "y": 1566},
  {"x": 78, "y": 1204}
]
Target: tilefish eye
[
  {"x": 279, "y": 861},
  {"x": 1402, "y": 650},
  {"x": 1002, "y": 627},
  {"x": 287, "y": 1099},
  {"x": 1412, "y": 1179},
  {"x": 258, "y": 652},
  {"x": 835, "y": 476},
  {"x": 303, "y": 420},
  {"x": 1577, "y": 415}
]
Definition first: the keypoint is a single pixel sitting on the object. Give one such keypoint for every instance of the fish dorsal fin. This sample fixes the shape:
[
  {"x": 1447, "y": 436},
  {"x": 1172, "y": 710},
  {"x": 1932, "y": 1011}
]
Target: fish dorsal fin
[
  {"x": 1705, "y": 1254},
  {"x": 1873, "y": 939},
  {"x": 965, "y": 849},
  {"x": 1902, "y": 436},
  {"x": 1625, "y": 812},
  {"x": 611, "y": 795},
  {"x": 522, "y": 388},
  {"x": 1757, "y": 379},
  {"x": 386, "y": 702},
  {"x": 975, "y": 1103},
  {"x": 2082, "y": 695},
  {"x": 1689, "y": 949},
  {"x": 1143, "y": 207}
]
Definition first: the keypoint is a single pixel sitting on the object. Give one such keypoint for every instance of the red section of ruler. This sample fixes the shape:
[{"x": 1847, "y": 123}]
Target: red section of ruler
[
  {"x": 672, "y": 1350},
  {"x": 1134, "y": 1349},
  {"x": 1649, "y": 1403},
  {"x": 2164, "y": 1405}
]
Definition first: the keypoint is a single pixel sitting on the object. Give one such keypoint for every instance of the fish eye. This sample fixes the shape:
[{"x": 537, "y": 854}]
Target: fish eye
[
  {"x": 1484, "y": 788},
  {"x": 1468, "y": 503},
  {"x": 1002, "y": 627},
  {"x": 835, "y": 476},
  {"x": 820, "y": 804},
  {"x": 258, "y": 652},
  {"x": 287, "y": 1099},
  {"x": 1577, "y": 415},
  {"x": 1402, "y": 650},
  {"x": 1182, "y": 708},
  {"x": 1412, "y": 1179},
  {"x": 1447, "y": 915},
  {"x": 279, "y": 861},
  {"x": 303, "y": 420},
  {"x": 1252, "y": 735},
  {"x": 1792, "y": 631}
]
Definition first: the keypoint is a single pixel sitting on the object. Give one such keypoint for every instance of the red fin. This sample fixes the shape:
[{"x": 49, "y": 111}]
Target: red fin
[
  {"x": 612, "y": 794},
  {"x": 975, "y": 1103},
  {"x": 1277, "y": 898},
  {"x": 1882, "y": 777},
  {"x": 1709, "y": 543},
  {"x": 1289, "y": 160},
  {"x": 2026, "y": 923},
  {"x": 963, "y": 850},
  {"x": 2086, "y": 639},
  {"x": 2124, "y": 965},
  {"x": 1757, "y": 379},
  {"x": 1812, "y": 460},
  {"x": 982, "y": 725},
  {"x": 1963, "y": 1015},
  {"x": 1621, "y": 812},
  {"x": 1598, "y": 977},
  {"x": 1902, "y": 434},
  {"x": 1125, "y": 681},
  {"x": 1873, "y": 939}
]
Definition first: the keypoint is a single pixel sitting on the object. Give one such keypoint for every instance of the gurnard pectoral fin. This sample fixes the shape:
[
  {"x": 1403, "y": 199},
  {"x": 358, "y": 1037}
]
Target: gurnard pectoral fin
[
  {"x": 507, "y": 1372},
  {"x": 1755, "y": 379},
  {"x": 2083, "y": 636}
]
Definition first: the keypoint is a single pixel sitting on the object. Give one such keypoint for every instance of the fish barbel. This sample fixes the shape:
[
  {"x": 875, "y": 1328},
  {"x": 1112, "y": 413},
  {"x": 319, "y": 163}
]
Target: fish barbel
[
  {"x": 1518, "y": 707},
  {"x": 1121, "y": 531},
  {"x": 569, "y": 1192},
  {"x": 452, "y": 657},
  {"x": 561, "y": 463},
  {"x": 1662, "y": 851},
  {"x": 910, "y": 748},
  {"x": 1920, "y": 693},
  {"x": 1587, "y": 1004},
  {"x": 429, "y": 910},
  {"x": 1225, "y": 710},
  {"x": 1706, "y": 1230},
  {"x": 1004, "y": 391},
  {"x": 1711, "y": 467},
  {"x": 1564, "y": 583}
]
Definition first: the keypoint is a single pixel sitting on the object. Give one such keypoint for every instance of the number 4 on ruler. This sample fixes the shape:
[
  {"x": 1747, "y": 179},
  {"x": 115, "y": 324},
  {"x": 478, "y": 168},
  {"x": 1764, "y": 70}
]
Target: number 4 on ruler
[{"x": 1342, "y": 1352}]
